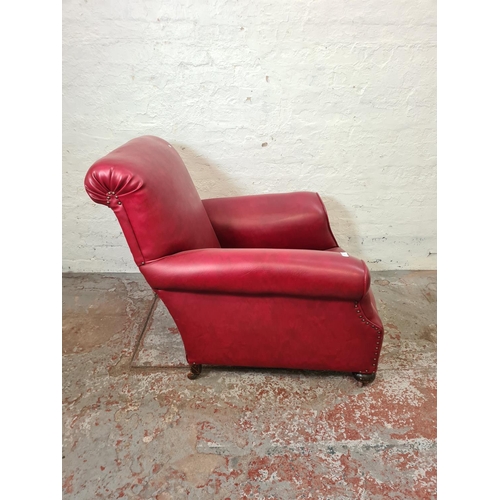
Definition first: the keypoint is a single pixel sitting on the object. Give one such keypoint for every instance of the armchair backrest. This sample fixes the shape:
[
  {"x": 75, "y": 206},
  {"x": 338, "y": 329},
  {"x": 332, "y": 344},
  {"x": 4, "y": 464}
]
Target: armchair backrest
[{"x": 148, "y": 187}]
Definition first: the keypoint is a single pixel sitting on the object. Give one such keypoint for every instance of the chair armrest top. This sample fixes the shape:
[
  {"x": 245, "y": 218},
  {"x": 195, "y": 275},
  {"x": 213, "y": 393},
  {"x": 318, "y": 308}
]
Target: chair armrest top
[
  {"x": 286, "y": 220},
  {"x": 259, "y": 271}
]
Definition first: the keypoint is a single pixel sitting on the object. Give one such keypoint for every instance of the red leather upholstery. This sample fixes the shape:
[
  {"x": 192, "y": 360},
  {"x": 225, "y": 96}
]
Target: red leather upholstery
[
  {"x": 281, "y": 293},
  {"x": 274, "y": 332},
  {"x": 288, "y": 220},
  {"x": 148, "y": 186},
  {"x": 260, "y": 271}
]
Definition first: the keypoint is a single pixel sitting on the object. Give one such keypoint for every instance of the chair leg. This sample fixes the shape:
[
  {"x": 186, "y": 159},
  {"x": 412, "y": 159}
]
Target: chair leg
[
  {"x": 364, "y": 378},
  {"x": 195, "y": 371}
]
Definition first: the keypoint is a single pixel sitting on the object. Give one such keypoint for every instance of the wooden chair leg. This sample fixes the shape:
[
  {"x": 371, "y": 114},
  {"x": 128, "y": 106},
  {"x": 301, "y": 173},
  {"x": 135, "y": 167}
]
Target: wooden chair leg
[
  {"x": 364, "y": 378},
  {"x": 195, "y": 371}
]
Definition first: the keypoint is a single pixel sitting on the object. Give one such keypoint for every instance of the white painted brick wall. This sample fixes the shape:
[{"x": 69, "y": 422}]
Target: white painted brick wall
[{"x": 343, "y": 93}]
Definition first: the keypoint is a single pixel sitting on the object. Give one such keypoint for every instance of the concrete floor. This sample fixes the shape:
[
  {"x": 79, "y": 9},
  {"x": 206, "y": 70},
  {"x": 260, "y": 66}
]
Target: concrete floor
[{"x": 134, "y": 426}]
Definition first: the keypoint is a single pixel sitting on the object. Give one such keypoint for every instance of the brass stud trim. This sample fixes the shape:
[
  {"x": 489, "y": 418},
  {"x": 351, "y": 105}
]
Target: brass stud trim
[{"x": 359, "y": 312}]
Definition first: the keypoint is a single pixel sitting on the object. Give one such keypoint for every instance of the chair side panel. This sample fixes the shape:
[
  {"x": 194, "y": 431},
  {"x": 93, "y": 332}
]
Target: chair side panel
[{"x": 274, "y": 332}]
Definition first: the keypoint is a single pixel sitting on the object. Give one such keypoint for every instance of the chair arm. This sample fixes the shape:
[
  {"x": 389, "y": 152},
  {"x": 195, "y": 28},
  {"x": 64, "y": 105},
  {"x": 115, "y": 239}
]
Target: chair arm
[
  {"x": 259, "y": 271},
  {"x": 288, "y": 220}
]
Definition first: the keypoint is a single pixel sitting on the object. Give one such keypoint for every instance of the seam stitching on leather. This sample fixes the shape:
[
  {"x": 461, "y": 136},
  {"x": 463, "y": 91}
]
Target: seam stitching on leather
[{"x": 135, "y": 237}]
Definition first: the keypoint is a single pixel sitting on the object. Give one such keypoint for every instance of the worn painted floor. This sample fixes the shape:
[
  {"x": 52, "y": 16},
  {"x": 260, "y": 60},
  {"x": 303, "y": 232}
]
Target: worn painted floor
[{"x": 134, "y": 426}]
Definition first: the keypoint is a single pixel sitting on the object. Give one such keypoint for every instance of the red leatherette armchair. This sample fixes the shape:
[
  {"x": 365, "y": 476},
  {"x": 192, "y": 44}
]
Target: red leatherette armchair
[{"x": 255, "y": 281}]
